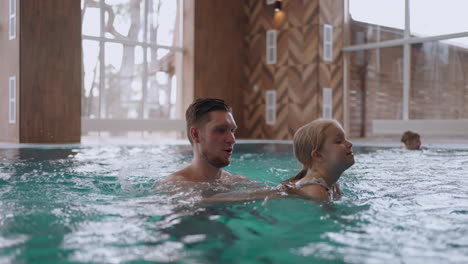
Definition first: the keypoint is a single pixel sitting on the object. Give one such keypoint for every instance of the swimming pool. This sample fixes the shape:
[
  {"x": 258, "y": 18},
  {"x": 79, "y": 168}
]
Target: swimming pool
[{"x": 97, "y": 204}]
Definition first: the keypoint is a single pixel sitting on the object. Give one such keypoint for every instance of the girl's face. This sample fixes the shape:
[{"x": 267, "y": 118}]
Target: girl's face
[{"x": 337, "y": 150}]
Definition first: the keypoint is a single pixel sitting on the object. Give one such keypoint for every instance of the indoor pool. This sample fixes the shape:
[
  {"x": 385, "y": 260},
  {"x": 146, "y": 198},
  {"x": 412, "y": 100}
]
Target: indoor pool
[{"x": 102, "y": 204}]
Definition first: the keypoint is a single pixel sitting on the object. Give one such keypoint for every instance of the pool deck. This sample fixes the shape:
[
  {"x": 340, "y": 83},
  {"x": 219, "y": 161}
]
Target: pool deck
[{"x": 435, "y": 142}]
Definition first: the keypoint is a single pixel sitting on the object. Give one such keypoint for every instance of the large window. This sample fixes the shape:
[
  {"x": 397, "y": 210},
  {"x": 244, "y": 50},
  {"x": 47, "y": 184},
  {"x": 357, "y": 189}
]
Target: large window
[
  {"x": 132, "y": 54},
  {"x": 373, "y": 22},
  {"x": 405, "y": 60}
]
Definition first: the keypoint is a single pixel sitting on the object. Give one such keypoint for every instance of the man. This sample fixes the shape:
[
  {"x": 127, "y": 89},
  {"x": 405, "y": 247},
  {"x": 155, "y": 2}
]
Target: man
[{"x": 210, "y": 129}]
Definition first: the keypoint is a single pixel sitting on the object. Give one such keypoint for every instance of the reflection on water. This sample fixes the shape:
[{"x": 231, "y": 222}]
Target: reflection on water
[{"x": 105, "y": 205}]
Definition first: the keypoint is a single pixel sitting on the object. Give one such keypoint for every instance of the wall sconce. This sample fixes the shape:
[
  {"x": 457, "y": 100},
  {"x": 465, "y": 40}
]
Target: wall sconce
[{"x": 278, "y": 5}]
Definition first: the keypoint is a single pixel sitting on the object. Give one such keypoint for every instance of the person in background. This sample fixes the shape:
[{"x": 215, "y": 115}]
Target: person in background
[{"x": 411, "y": 140}]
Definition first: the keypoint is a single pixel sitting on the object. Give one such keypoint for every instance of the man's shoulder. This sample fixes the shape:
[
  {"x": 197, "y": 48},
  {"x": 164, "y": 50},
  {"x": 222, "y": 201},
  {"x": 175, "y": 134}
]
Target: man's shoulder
[
  {"x": 177, "y": 176},
  {"x": 235, "y": 177}
]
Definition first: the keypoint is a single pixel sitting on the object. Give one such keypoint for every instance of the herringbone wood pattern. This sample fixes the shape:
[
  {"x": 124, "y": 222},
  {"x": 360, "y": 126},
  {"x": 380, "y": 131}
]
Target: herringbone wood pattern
[
  {"x": 331, "y": 76},
  {"x": 282, "y": 85},
  {"x": 299, "y": 74},
  {"x": 331, "y": 12}
]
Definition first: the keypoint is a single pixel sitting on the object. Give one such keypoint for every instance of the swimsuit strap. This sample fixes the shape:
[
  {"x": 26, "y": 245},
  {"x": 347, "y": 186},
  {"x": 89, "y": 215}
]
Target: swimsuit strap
[
  {"x": 318, "y": 181},
  {"x": 296, "y": 186}
]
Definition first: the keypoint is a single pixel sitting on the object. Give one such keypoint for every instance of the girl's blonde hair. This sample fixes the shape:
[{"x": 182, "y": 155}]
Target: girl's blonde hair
[{"x": 307, "y": 139}]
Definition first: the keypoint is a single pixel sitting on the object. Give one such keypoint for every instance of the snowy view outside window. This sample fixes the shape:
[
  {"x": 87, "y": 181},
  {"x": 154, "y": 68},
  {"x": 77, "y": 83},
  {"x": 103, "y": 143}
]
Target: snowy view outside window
[
  {"x": 132, "y": 54},
  {"x": 410, "y": 54},
  {"x": 427, "y": 17}
]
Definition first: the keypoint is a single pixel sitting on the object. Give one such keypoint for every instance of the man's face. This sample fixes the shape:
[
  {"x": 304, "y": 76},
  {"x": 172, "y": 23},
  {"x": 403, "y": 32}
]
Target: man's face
[{"x": 217, "y": 138}]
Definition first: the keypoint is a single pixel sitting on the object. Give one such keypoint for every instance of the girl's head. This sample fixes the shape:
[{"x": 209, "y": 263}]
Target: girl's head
[
  {"x": 411, "y": 140},
  {"x": 323, "y": 142}
]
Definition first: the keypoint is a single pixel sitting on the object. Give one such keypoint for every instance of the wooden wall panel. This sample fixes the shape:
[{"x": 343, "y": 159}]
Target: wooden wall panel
[
  {"x": 310, "y": 53},
  {"x": 253, "y": 119},
  {"x": 296, "y": 76},
  {"x": 50, "y": 71},
  {"x": 304, "y": 96},
  {"x": 220, "y": 51},
  {"x": 280, "y": 129},
  {"x": 253, "y": 68},
  {"x": 259, "y": 16},
  {"x": 282, "y": 48},
  {"x": 310, "y": 12},
  {"x": 9, "y": 66},
  {"x": 296, "y": 46},
  {"x": 331, "y": 12},
  {"x": 331, "y": 73},
  {"x": 281, "y": 85},
  {"x": 331, "y": 76}
]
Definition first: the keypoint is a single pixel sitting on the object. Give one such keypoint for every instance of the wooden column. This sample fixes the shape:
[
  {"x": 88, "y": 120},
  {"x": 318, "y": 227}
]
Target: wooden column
[
  {"x": 215, "y": 51},
  {"x": 48, "y": 52},
  {"x": 9, "y": 66}
]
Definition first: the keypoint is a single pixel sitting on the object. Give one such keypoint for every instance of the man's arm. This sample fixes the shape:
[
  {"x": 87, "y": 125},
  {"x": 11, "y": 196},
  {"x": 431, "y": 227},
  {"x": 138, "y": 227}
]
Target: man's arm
[
  {"x": 242, "y": 178},
  {"x": 243, "y": 197}
]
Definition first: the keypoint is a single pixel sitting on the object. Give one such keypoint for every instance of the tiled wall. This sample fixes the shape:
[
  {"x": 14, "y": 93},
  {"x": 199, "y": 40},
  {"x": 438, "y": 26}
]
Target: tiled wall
[{"x": 300, "y": 72}]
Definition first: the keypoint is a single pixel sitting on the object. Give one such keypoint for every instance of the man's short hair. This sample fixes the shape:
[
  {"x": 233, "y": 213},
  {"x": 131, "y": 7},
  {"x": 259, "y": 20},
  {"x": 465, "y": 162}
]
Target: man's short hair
[
  {"x": 197, "y": 113},
  {"x": 408, "y": 136}
]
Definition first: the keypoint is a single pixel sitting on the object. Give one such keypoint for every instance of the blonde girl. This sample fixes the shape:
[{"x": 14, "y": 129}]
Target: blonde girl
[{"x": 325, "y": 153}]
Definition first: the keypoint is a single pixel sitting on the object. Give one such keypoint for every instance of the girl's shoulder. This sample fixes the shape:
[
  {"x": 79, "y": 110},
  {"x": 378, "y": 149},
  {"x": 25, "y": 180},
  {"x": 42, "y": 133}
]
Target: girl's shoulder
[
  {"x": 313, "y": 191},
  {"x": 314, "y": 181},
  {"x": 310, "y": 188}
]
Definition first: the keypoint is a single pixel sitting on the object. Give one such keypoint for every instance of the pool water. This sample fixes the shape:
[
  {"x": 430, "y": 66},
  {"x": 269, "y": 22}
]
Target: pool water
[{"x": 103, "y": 204}]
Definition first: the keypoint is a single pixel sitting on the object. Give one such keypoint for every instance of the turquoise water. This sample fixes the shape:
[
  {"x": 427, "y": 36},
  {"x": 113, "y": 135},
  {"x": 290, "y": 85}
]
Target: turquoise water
[{"x": 98, "y": 205}]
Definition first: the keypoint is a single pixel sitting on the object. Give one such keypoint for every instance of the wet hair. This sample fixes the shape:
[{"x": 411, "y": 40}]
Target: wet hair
[
  {"x": 409, "y": 136},
  {"x": 197, "y": 113},
  {"x": 307, "y": 139}
]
